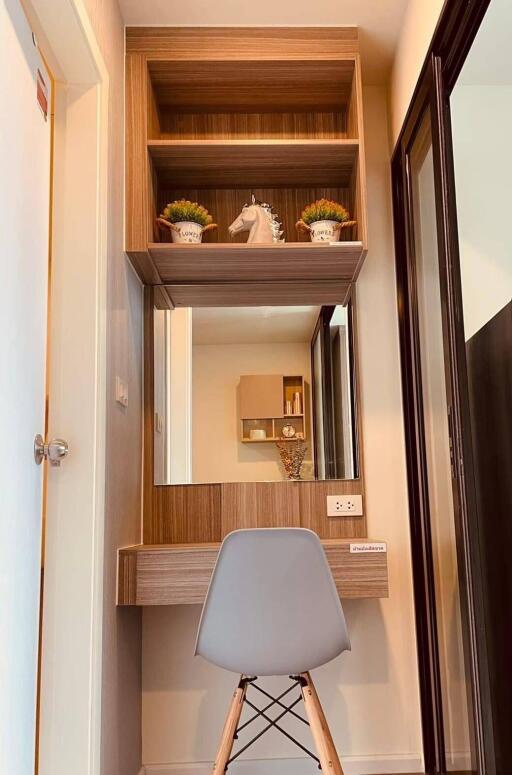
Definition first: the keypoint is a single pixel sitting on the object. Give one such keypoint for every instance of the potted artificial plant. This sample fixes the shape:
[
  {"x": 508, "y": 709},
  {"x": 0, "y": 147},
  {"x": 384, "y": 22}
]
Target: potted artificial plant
[
  {"x": 324, "y": 220},
  {"x": 187, "y": 221}
]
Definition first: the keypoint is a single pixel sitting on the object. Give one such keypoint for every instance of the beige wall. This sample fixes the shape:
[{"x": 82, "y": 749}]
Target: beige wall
[
  {"x": 217, "y": 453},
  {"x": 121, "y": 742},
  {"x": 371, "y": 694},
  {"x": 418, "y": 28}
]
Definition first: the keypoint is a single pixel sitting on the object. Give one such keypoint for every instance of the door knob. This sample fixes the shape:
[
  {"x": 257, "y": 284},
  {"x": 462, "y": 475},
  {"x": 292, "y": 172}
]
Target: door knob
[{"x": 54, "y": 451}]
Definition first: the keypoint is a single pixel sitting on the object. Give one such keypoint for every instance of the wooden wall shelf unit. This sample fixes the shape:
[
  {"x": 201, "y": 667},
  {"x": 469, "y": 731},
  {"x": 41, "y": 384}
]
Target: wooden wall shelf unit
[
  {"x": 262, "y": 402},
  {"x": 215, "y": 114},
  {"x": 180, "y": 574}
]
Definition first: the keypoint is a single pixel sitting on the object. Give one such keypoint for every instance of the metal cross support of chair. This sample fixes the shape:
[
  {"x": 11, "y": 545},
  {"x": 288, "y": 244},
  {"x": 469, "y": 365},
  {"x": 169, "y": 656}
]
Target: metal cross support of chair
[{"x": 327, "y": 759}]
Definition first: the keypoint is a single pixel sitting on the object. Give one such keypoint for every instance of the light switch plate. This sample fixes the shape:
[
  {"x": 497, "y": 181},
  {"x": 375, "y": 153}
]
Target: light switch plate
[
  {"x": 344, "y": 505},
  {"x": 121, "y": 392}
]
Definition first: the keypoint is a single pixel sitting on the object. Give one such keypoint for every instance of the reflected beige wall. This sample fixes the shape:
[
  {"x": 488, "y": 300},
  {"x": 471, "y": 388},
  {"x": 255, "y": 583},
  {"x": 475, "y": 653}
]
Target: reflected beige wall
[{"x": 218, "y": 454}]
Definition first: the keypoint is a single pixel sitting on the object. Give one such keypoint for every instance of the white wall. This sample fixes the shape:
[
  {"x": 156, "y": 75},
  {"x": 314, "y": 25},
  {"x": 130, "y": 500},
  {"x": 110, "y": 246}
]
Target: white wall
[
  {"x": 218, "y": 455},
  {"x": 484, "y": 192},
  {"x": 418, "y": 27},
  {"x": 371, "y": 694},
  {"x": 121, "y": 696}
]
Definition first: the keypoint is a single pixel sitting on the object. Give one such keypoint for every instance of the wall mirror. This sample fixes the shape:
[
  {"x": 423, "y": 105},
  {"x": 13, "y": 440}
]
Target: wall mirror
[{"x": 248, "y": 394}]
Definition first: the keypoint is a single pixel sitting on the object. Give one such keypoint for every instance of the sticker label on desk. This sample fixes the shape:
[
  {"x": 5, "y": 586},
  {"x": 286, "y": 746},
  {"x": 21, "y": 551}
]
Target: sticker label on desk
[{"x": 373, "y": 546}]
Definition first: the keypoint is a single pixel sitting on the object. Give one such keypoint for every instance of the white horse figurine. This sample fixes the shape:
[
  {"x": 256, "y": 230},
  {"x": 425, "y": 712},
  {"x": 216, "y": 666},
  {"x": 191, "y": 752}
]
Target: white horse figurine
[{"x": 258, "y": 219}]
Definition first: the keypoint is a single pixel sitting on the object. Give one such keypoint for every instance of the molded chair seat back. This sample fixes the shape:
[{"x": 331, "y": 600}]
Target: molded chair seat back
[{"x": 272, "y": 607}]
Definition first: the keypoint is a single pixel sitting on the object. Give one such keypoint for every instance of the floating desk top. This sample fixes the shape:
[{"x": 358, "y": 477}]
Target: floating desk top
[{"x": 174, "y": 574}]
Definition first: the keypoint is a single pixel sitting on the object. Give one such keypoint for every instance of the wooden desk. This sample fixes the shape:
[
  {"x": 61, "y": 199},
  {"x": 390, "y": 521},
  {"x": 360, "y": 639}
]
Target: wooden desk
[{"x": 176, "y": 574}]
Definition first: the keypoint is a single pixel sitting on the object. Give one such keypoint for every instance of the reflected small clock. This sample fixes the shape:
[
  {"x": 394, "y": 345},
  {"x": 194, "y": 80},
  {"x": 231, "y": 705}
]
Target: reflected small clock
[{"x": 288, "y": 431}]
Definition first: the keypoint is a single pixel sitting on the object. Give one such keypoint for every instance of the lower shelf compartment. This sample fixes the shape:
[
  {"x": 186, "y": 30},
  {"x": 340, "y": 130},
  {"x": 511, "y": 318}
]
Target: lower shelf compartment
[{"x": 179, "y": 574}]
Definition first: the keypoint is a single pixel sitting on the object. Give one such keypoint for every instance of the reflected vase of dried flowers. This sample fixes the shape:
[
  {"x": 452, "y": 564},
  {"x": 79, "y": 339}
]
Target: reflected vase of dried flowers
[{"x": 292, "y": 456}]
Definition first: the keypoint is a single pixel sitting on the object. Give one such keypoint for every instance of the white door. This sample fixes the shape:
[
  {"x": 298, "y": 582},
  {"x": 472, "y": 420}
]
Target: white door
[{"x": 25, "y": 159}]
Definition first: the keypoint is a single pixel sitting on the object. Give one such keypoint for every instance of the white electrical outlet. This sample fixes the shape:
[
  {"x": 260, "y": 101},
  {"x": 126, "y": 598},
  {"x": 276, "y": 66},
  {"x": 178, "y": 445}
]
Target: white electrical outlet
[{"x": 342, "y": 505}]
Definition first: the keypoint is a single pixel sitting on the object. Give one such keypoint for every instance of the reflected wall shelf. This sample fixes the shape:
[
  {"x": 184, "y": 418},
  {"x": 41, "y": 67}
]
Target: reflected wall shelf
[
  {"x": 180, "y": 573},
  {"x": 280, "y": 116}
]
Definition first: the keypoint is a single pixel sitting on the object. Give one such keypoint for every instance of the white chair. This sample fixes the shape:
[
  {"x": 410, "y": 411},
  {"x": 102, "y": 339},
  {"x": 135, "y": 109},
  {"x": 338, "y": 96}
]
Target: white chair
[{"x": 272, "y": 609}]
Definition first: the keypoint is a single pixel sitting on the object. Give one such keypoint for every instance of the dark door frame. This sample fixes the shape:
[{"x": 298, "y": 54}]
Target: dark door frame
[{"x": 453, "y": 38}]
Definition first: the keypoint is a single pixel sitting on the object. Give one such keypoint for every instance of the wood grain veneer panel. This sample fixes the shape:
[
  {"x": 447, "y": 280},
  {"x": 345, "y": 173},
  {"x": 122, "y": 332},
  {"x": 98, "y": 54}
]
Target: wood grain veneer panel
[
  {"x": 225, "y": 204},
  {"x": 127, "y": 577},
  {"x": 259, "y": 504},
  {"x": 360, "y": 574},
  {"x": 243, "y": 43},
  {"x": 253, "y": 163},
  {"x": 172, "y": 575},
  {"x": 139, "y": 198},
  {"x": 313, "y": 509},
  {"x": 257, "y": 294},
  {"x": 197, "y": 513},
  {"x": 210, "y": 261},
  {"x": 358, "y": 184},
  {"x": 144, "y": 265},
  {"x": 187, "y": 514},
  {"x": 249, "y": 86},
  {"x": 177, "y": 577},
  {"x": 319, "y": 125}
]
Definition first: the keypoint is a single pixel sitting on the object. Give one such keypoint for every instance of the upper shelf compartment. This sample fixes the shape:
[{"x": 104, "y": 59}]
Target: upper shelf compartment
[
  {"x": 215, "y": 114},
  {"x": 254, "y": 84}
]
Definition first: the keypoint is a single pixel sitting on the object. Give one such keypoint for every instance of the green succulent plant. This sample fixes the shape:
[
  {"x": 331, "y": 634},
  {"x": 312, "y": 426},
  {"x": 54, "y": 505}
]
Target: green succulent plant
[
  {"x": 184, "y": 210},
  {"x": 324, "y": 210}
]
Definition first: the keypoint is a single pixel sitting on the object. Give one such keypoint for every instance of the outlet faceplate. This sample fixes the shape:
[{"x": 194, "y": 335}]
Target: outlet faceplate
[{"x": 344, "y": 505}]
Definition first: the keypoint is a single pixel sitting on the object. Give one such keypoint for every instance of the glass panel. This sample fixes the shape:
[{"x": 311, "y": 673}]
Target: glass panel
[
  {"x": 449, "y": 623},
  {"x": 481, "y": 111}
]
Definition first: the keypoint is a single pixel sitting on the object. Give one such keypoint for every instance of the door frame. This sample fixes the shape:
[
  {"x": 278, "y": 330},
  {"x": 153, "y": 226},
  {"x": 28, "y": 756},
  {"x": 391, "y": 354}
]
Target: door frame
[
  {"x": 454, "y": 36},
  {"x": 72, "y": 613}
]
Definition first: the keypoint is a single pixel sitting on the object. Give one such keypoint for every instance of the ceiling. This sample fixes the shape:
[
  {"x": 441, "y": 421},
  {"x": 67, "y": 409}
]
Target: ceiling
[
  {"x": 253, "y": 325},
  {"x": 379, "y": 21},
  {"x": 489, "y": 62}
]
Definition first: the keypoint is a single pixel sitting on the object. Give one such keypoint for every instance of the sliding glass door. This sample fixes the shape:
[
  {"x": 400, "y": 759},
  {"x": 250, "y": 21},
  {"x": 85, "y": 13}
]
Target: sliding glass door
[{"x": 458, "y": 680}]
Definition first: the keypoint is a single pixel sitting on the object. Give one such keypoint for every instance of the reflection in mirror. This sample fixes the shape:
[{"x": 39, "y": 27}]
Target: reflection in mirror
[
  {"x": 233, "y": 399},
  {"x": 333, "y": 405}
]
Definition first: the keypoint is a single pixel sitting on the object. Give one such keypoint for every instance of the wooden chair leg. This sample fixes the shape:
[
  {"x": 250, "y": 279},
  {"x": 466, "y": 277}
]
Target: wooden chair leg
[
  {"x": 329, "y": 760},
  {"x": 230, "y": 727}
]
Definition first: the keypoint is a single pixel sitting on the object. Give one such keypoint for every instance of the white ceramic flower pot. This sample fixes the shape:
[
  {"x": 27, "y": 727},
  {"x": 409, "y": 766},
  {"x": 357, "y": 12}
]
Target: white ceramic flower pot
[
  {"x": 187, "y": 231},
  {"x": 325, "y": 231}
]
